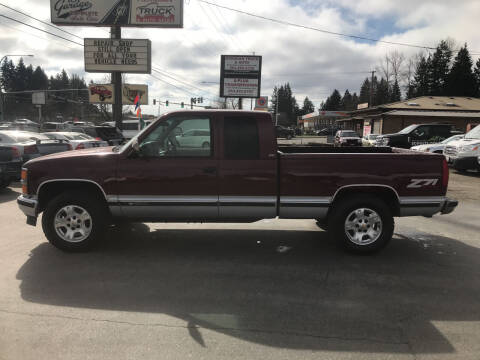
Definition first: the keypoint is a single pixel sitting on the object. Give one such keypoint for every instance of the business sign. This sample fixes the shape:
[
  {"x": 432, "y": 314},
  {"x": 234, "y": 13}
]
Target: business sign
[
  {"x": 38, "y": 98},
  {"x": 124, "y": 55},
  {"x": 130, "y": 92},
  {"x": 240, "y": 76},
  {"x": 261, "y": 103},
  {"x": 139, "y": 13},
  {"x": 101, "y": 94},
  {"x": 362, "y": 106},
  {"x": 367, "y": 129}
]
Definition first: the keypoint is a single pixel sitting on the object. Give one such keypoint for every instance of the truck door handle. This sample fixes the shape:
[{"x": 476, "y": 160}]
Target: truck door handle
[{"x": 210, "y": 170}]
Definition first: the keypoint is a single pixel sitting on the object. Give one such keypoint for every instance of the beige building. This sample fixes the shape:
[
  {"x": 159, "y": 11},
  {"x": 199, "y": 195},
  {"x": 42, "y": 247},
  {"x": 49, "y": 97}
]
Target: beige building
[{"x": 462, "y": 112}]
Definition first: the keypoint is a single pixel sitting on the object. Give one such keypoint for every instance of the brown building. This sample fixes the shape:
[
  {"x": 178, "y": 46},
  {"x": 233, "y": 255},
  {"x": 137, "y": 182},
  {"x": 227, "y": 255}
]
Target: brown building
[
  {"x": 462, "y": 112},
  {"x": 320, "y": 120}
]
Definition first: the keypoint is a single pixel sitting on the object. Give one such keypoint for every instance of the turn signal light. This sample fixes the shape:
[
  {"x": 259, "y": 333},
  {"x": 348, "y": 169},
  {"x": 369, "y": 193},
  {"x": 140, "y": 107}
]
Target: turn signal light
[
  {"x": 80, "y": 146},
  {"x": 23, "y": 176}
]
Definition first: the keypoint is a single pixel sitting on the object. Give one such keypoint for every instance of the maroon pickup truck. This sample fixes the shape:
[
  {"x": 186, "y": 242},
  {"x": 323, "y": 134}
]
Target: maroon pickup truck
[{"x": 225, "y": 166}]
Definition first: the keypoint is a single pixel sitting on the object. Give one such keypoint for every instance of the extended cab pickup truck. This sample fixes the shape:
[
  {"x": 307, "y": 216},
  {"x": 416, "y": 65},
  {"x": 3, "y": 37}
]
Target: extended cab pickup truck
[{"x": 241, "y": 176}]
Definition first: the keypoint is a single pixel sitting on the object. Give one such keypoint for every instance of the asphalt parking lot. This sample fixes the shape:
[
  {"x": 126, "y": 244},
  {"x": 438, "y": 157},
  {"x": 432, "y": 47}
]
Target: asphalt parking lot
[{"x": 276, "y": 289}]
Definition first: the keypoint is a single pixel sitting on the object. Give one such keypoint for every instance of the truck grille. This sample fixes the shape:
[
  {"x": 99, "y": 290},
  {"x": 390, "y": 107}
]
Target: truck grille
[{"x": 450, "y": 151}]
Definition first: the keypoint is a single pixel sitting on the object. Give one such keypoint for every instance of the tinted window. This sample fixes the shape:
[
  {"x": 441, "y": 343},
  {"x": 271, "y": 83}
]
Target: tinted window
[
  {"x": 442, "y": 131},
  {"x": 130, "y": 126},
  {"x": 241, "y": 138}
]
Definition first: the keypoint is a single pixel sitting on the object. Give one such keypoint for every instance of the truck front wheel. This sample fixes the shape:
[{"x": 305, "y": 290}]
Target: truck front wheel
[
  {"x": 74, "y": 221},
  {"x": 362, "y": 224}
]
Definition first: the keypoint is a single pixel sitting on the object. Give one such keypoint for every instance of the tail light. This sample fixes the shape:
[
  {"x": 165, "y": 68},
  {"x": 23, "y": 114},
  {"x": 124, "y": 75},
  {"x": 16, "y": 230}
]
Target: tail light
[
  {"x": 445, "y": 174},
  {"x": 24, "y": 181},
  {"x": 30, "y": 149},
  {"x": 97, "y": 138},
  {"x": 15, "y": 153},
  {"x": 80, "y": 146}
]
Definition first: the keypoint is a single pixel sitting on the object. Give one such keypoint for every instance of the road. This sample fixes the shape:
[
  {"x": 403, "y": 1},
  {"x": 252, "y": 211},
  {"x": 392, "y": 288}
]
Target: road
[{"x": 276, "y": 289}]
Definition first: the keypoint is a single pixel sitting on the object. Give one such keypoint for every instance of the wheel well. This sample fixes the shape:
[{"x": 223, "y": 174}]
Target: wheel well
[
  {"x": 386, "y": 194},
  {"x": 50, "y": 190}
]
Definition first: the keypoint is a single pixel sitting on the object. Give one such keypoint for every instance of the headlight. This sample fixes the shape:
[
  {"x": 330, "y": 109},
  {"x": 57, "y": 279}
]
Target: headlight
[{"x": 468, "y": 148}]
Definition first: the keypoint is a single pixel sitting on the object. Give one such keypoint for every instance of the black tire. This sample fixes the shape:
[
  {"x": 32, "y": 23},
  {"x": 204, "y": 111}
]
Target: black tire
[
  {"x": 95, "y": 208},
  {"x": 344, "y": 208}
]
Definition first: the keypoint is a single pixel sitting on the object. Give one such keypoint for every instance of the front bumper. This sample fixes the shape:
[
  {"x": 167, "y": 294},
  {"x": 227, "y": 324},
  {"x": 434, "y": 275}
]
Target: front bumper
[
  {"x": 464, "y": 163},
  {"x": 28, "y": 205}
]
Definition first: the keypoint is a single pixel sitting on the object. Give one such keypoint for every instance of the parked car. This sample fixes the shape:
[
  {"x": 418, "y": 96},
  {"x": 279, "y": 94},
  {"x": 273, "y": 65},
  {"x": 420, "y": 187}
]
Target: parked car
[
  {"x": 417, "y": 135},
  {"x": 10, "y": 165},
  {"x": 328, "y": 131},
  {"x": 283, "y": 132},
  {"x": 109, "y": 134},
  {"x": 369, "y": 140},
  {"x": 25, "y": 125},
  {"x": 130, "y": 128},
  {"x": 354, "y": 193},
  {"x": 53, "y": 126},
  {"x": 463, "y": 154},
  {"x": 438, "y": 147},
  {"x": 31, "y": 145},
  {"x": 347, "y": 138},
  {"x": 78, "y": 141},
  {"x": 194, "y": 138}
]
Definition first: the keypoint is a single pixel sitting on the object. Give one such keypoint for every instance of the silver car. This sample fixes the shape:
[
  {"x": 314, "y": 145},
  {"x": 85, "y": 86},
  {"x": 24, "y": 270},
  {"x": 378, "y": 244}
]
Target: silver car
[
  {"x": 31, "y": 145},
  {"x": 77, "y": 140}
]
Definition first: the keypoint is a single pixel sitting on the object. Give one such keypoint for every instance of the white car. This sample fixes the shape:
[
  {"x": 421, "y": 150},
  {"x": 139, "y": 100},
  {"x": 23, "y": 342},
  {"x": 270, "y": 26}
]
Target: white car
[
  {"x": 463, "y": 154},
  {"x": 77, "y": 140},
  {"x": 194, "y": 139},
  {"x": 369, "y": 140},
  {"x": 130, "y": 127},
  {"x": 438, "y": 147}
]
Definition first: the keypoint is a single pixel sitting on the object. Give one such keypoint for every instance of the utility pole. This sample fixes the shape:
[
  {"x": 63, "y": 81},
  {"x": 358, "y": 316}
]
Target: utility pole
[
  {"x": 116, "y": 33},
  {"x": 371, "y": 90},
  {"x": 240, "y": 103}
]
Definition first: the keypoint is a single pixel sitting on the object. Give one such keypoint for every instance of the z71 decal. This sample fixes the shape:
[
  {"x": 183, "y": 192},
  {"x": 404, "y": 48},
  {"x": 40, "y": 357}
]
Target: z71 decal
[{"x": 418, "y": 183}]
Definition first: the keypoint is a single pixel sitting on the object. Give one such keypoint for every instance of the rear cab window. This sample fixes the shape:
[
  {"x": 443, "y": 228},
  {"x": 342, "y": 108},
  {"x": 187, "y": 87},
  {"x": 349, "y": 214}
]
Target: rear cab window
[{"x": 241, "y": 138}]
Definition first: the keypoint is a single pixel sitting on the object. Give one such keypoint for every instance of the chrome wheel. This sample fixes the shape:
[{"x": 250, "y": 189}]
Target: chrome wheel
[
  {"x": 73, "y": 223},
  {"x": 363, "y": 226}
]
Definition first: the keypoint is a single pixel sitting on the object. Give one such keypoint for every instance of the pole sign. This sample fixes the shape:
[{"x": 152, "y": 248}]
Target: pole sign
[
  {"x": 101, "y": 94},
  {"x": 118, "y": 55},
  {"x": 131, "y": 91},
  {"x": 240, "y": 76},
  {"x": 135, "y": 13},
  {"x": 38, "y": 98},
  {"x": 261, "y": 103}
]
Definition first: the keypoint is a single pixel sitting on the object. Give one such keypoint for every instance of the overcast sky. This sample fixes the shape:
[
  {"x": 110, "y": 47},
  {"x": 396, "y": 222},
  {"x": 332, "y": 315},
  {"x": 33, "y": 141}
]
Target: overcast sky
[{"x": 313, "y": 63}]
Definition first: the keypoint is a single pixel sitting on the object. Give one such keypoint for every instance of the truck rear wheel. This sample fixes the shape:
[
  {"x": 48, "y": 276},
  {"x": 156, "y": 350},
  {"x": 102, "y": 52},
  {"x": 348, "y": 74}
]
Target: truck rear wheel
[
  {"x": 74, "y": 221},
  {"x": 362, "y": 224}
]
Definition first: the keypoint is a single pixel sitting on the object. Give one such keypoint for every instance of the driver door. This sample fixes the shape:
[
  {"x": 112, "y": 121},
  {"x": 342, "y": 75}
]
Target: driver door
[{"x": 168, "y": 181}]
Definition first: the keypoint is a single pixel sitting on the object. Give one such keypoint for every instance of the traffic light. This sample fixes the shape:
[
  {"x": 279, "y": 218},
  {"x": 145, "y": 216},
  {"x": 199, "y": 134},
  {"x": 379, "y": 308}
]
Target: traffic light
[
  {"x": 166, "y": 103},
  {"x": 182, "y": 104}
]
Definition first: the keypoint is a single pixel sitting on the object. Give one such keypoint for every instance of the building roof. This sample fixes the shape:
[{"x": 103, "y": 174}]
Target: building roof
[
  {"x": 437, "y": 103},
  {"x": 450, "y": 114}
]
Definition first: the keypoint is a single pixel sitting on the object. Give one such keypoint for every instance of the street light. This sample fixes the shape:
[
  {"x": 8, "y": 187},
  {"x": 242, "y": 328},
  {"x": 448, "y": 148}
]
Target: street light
[{"x": 1, "y": 92}]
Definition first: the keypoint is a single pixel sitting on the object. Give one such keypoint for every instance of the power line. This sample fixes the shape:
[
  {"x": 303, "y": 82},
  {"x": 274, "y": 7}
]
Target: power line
[
  {"x": 41, "y": 21},
  {"x": 283, "y": 22},
  {"x": 36, "y": 28}
]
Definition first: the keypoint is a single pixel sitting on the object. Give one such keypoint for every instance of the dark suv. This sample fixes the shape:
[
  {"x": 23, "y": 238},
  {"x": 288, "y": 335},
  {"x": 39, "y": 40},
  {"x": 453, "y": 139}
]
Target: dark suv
[
  {"x": 417, "y": 135},
  {"x": 283, "y": 132},
  {"x": 109, "y": 134}
]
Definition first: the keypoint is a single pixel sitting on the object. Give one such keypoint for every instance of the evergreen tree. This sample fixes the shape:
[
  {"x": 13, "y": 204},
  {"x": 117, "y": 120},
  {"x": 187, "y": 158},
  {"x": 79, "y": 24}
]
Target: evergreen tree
[
  {"x": 308, "y": 106},
  {"x": 382, "y": 93},
  {"x": 461, "y": 79},
  {"x": 421, "y": 82},
  {"x": 21, "y": 77},
  {"x": 365, "y": 92},
  {"x": 333, "y": 102},
  {"x": 476, "y": 72},
  {"x": 355, "y": 101},
  {"x": 346, "y": 103},
  {"x": 39, "y": 80},
  {"x": 395, "y": 93},
  {"x": 8, "y": 75},
  {"x": 439, "y": 68}
]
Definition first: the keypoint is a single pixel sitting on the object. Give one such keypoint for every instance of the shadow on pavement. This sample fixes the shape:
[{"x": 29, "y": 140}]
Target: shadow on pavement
[
  {"x": 285, "y": 289},
  {"x": 8, "y": 194}
]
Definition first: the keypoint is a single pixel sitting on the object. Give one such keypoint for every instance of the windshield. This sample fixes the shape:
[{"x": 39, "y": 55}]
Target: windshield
[
  {"x": 452, "y": 138},
  {"x": 408, "y": 129},
  {"x": 348, "y": 134},
  {"x": 474, "y": 133},
  {"x": 372, "y": 137}
]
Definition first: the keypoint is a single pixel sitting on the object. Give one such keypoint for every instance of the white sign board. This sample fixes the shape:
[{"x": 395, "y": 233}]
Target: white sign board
[
  {"x": 124, "y": 55},
  {"x": 130, "y": 92},
  {"x": 239, "y": 87},
  {"x": 139, "y": 13},
  {"x": 362, "y": 106},
  {"x": 101, "y": 94},
  {"x": 240, "y": 76},
  {"x": 38, "y": 98}
]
